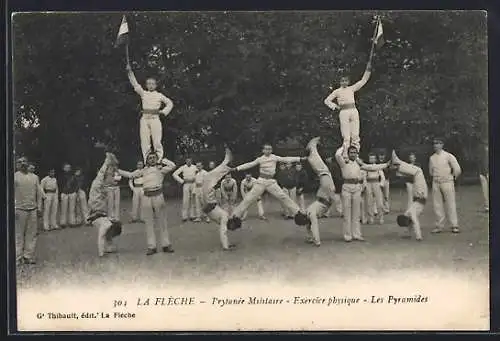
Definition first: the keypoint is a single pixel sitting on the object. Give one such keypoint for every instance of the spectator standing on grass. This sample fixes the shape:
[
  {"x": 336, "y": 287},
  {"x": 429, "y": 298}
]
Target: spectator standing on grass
[
  {"x": 444, "y": 170},
  {"x": 50, "y": 194},
  {"x": 28, "y": 206},
  {"x": 112, "y": 184},
  {"x": 484, "y": 177},
  {"x": 81, "y": 210},
  {"x": 136, "y": 187},
  {"x": 185, "y": 175},
  {"x": 68, "y": 189}
]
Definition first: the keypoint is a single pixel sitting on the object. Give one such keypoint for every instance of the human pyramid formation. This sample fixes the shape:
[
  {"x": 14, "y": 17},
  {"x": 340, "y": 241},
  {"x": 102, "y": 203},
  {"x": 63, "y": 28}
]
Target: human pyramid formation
[
  {"x": 358, "y": 178},
  {"x": 356, "y": 175}
]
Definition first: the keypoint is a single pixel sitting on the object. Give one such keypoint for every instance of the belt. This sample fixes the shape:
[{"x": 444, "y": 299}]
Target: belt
[
  {"x": 420, "y": 200},
  {"x": 266, "y": 176},
  {"x": 347, "y": 106},
  {"x": 188, "y": 181},
  {"x": 153, "y": 192},
  {"x": 440, "y": 181},
  {"x": 209, "y": 207},
  {"x": 137, "y": 185},
  {"x": 96, "y": 215},
  {"x": 373, "y": 180},
  {"x": 50, "y": 190},
  {"x": 324, "y": 201},
  {"x": 150, "y": 111},
  {"x": 352, "y": 181},
  {"x": 199, "y": 185}
]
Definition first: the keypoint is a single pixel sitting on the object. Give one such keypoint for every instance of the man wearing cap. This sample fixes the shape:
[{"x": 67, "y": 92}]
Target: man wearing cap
[
  {"x": 188, "y": 172},
  {"x": 419, "y": 188},
  {"x": 444, "y": 170},
  {"x": 28, "y": 205},
  {"x": 50, "y": 195},
  {"x": 154, "y": 206},
  {"x": 107, "y": 229}
]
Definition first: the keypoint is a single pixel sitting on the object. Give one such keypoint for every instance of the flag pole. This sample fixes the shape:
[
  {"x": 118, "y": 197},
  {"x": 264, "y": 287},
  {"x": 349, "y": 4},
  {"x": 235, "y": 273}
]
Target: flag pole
[
  {"x": 127, "y": 54},
  {"x": 374, "y": 36}
]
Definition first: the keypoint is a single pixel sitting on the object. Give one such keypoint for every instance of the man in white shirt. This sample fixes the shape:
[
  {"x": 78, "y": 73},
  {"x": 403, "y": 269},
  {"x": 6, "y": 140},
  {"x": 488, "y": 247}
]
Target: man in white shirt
[
  {"x": 50, "y": 192},
  {"x": 419, "y": 193},
  {"x": 245, "y": 187},
  {"x": 444, "y": 170},
  {"x": 188, "y": 172},
  {"x": 266, "y": 183},
  {"x": 324, "y": 195},
  {"x": 349, "y": 115},
  {"x": 135, "y": 185},
  {"x": 210, "y": 205},
  {"x": 28, "y": 205},
  {"x": 484, "y": 177},
  {"x": 385, "y": 185},
  {"x": 374, "y": 191},
  {"x": 211, "y": 166},
  {"x": 198, "y": 193},
  {"x": 150, "y": 125},
  {"x": 351, "y": 190},
  {"x": 107, "y": 229},
  {"x": 154, "y": 207},
  {"x": 229, "y": 193}
]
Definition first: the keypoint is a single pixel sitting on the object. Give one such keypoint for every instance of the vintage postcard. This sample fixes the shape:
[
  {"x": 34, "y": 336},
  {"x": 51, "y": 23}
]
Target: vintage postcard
[{"x": 251, "y": 171}]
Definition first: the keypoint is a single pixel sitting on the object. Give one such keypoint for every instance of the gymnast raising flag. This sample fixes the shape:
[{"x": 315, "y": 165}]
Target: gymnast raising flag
[
  {"x": 349, "y": 115},
  {"x": 150, "y": 128}
]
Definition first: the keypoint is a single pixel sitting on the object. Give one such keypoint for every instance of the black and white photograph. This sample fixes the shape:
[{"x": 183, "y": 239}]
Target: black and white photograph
[{"x": 250, "y": 170}]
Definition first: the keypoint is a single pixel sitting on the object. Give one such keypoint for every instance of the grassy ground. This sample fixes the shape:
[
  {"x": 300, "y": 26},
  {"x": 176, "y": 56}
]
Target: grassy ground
[{"x": 274, "y": 249}]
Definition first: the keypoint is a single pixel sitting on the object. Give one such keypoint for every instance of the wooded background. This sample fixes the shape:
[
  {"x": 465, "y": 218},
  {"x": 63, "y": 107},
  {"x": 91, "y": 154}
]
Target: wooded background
[{"x": 247, "y": 78}]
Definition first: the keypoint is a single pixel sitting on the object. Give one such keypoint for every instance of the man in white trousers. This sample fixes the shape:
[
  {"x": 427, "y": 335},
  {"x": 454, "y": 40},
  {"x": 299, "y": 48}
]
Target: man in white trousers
[
  {"x": 484, "y": 177},
  {"x": 324, "y": 195},
  {"x": 412, "y": 160},
  {"x": 210, "y": 206},
  {"x": 266, "y": 183},
  {"x": 351, "y": 190},
  {"x": 349, "y": 115},
  {"x": 150, "y": 127},
  {"x": 245, "y": 187},
  {"x": 386, "y": 184},
  {"x": 229, "y": 193},
  {"x": 50, "y": 194},
  {"x": 374, "y": 191},
  {"x": 107, "y": 229},
  {"x": 68, "y": 197},
  {"x": 81, "y": 210},
  {"x": 154, "y": 207},
  {"x": 28, "y": 206},
  {"x": 188, "y": 172},
  {"x": 112, "y": 183},
  {"x": 444, "y": 170},
  {"x": 410, "y": 218},
  {"x": 198, "y": 193},
  {"x": 135, "y": 185}
]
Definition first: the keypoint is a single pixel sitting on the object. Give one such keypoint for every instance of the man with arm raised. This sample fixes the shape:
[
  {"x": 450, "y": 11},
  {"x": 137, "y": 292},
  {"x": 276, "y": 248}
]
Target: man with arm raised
[{"x": 266, "y": 183}]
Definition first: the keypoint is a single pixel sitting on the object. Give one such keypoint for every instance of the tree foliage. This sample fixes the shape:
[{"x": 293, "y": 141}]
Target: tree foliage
[{"x": 246, "y": 78}]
